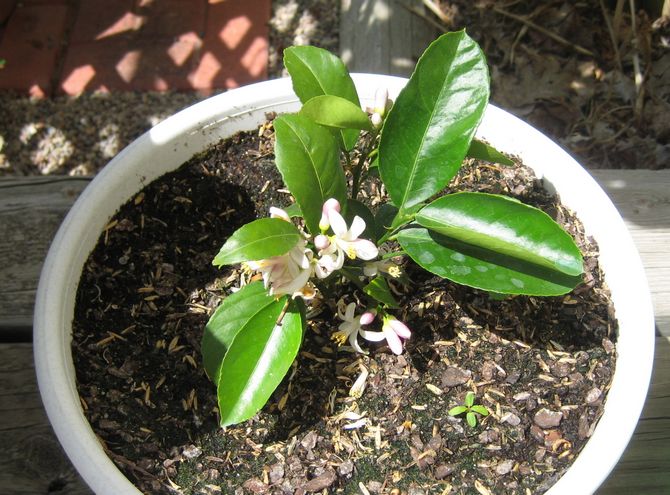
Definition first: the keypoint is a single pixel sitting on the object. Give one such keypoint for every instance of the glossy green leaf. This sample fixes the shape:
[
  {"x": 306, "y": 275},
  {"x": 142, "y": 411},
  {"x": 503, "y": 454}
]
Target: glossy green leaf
[
  {"x": 469, "y": 399},
  {"x": 471, "y": 419},
  {"x": 507, "y": 227},
  {"x": 314, "y": 72},
  {"x": 482, "y": 151},
  {"x": 246, "y": 307},
  {"x": 481, "y": 268},
  {"x": 337, "y": 112},
  {"x": 379, "y": 290},
  {"x": 260, "y": 239},
  {"x": 307, "y": 155},
  {"x": 428, "y": 131},
  {"x": 384, "y": 219},
  {"x": 455, "y": 411},
  {"x": 257, "y": 361}
]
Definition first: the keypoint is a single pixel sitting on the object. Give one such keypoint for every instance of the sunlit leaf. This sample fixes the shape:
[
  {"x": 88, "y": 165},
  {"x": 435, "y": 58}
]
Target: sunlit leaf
[
  {"x": 314, "y": 72},
  {"x": 507, "y": 227},
  {"x": 260, "y": 239},
  {"x": 258, "y": 359},
  {"x": 250, "y": 306},
  {"x": 480, "y": 268},
  {"x": 428, "y": 131},
  {"x": 334, "y": 111},
  {"x": 482, "y": 151},
  {"x": 307, "y": 156}
]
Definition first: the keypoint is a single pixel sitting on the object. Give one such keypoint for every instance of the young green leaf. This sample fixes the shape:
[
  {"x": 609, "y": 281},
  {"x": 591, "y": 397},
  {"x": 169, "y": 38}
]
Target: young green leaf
[
  {"x": 471, "y": 419},
  {"x": 379, "y": 290},
  {"x": 428, "y": 131},
  {"x": 481, "y": 268},
  {"x": 257, "y": 361},
  {"x": 260, "y": 239},
  {"x": 455, "y": 411},
  {"x": 482, "y": 151},
  {"x": 469, "y": 399},
  {"x": 251, "y": 306},
  {"x": 480, "y": 410},
  {"x": 337, "y": 112},
  {"x": 314, "y": 72},
  {"x": 507, "y": 227},
  {"x": 293, "y": 210},
  {"x": 307, "y": 155}
]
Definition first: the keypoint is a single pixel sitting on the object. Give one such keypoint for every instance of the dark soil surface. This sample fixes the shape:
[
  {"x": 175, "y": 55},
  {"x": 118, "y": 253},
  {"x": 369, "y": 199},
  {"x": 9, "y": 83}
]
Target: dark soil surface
[{"x": 542, "y": 367}]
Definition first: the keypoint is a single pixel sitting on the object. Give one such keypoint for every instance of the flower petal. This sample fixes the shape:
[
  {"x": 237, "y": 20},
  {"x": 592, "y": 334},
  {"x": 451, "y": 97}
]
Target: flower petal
[
  {"x": 353, "y": 341},
  {"x": 365, "y": 250},
  {"x": 372, "y": 336},
  {"x": 356, "y": 229},
  {"x": 337, "y": 223},
  {"x": 392, "y": 339},
  {"x": 400, "y": 328}
]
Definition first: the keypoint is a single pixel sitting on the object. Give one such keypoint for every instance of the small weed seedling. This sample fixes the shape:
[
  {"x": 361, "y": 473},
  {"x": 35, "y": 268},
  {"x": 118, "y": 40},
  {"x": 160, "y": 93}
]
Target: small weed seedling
[{"x": 470, "y": 409}]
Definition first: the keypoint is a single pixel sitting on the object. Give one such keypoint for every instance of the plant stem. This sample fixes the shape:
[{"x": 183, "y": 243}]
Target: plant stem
[{"x": 393, "y": 254}]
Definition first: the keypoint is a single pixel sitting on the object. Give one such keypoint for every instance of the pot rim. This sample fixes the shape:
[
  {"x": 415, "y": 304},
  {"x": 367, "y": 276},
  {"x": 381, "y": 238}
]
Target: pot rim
[{"x": 183, "y": 134}]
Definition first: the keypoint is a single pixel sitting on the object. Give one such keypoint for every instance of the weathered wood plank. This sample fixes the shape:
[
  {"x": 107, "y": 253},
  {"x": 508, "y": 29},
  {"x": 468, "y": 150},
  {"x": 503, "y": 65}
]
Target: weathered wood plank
[
  {"x": 31, "y": 209},
  {"x": 383, "y": 36},
  {"x": 643, "y": 199},
  {"x": 32, "y": 460},
  {"x": 645, "y": 466}
]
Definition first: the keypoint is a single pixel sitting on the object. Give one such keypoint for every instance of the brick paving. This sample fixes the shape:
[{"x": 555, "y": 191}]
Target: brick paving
[{"x": 53, "y": 47}]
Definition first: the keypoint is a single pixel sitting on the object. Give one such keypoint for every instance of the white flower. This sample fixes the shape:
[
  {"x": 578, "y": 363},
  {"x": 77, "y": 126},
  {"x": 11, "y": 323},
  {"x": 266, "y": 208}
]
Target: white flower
[
  {"x": 329, "y": 205},
  {"x": 392, "y": 330},
  {"x": 279, "y": 213},
  {"x": 288, "y": 273},
  {"x": 351, "y": 326},
  {"x": 345, "y": 240},
  {"x": 379, "y": 110},
  {"x": 371, "y": 268}
]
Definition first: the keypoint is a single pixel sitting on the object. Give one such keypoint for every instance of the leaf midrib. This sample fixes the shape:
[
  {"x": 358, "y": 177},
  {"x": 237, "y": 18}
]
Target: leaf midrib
[
  {"x": 264, "y": 240},
  {"x": 311, "y": 161},
  {"x": 423, "y": 138}
]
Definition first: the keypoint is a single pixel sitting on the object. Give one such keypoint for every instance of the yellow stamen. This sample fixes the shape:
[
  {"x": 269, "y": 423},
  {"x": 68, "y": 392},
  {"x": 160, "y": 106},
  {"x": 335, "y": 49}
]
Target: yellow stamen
[
  {"x": 339, "y": 338},
  {"x": 394, "y": 271}
]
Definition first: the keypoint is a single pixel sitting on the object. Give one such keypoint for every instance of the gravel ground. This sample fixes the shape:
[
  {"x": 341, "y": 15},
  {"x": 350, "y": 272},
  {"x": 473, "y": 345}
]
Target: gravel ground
[{"x": 79, "y": 135}]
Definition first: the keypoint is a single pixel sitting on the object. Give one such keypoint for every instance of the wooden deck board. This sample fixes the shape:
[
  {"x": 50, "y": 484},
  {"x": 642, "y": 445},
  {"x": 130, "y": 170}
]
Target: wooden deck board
[
  {"x": 32, "y": 461},
  {"x": 31, "y": 209},
  {"x": 383, "y": 36},
  {"x": 36, "y": 462}
]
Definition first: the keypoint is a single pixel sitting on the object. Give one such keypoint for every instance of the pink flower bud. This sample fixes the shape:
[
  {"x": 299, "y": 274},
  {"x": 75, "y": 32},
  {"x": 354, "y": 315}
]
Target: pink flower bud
[
  {"x": 321, "y": 242},
  {"x": 367, "y": 318},
  {"x": 330, "y": 205}
]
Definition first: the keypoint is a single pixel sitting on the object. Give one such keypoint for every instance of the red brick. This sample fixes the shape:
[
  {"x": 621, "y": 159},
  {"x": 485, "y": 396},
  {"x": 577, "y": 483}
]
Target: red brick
[
  {"x": 171, "y": 18},
  {"x": 235, "y": 45},
  {"x": 99, "y": 19},
  {"x": 137, "y": 65},
  {"x": 30, "y": 45}
]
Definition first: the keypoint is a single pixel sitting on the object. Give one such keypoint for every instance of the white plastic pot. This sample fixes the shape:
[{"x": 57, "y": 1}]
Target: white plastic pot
[{"x": 172, "y": 142}]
